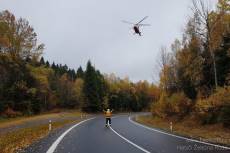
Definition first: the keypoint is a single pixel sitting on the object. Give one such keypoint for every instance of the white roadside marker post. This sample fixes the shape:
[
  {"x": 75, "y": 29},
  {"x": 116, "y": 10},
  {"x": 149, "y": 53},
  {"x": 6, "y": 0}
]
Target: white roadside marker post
[
  {"x": 50, "y": 125},
  {"x": 171, "y": 127}
]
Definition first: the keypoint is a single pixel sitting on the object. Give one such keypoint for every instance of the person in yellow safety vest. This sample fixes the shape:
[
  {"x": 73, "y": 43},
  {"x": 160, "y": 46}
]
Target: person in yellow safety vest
[{"x": 108, "y": 115}]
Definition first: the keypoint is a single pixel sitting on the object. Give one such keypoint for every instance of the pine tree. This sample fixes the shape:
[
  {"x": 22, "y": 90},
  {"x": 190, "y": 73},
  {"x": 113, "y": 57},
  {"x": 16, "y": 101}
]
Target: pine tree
[
  {"x": 223, "y": 60},
  {"x": 47, "y": 64},
  {"x": 90, "y": 89},
  {"x": 71, "y": 74},
  {"x": 42, "y": 61},
  {"x": 80, "y": 73},
  {"x": 94, "y": 89},
  {"x": 53, "y": 66}
]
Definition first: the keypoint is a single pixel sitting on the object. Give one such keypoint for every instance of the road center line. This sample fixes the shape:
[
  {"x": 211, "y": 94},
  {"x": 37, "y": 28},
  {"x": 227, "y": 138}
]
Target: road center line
[
  {"x": 55, "y": 144},
  {"x": 180, "y": 137},
  {"x": 135, "y": 145}
]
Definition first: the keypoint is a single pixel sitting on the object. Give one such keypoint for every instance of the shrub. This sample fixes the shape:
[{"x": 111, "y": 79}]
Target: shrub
[
  {"x": 11, "y": 113},
  {"x": 176, "y": 105},
  {"x": 225, "y": 115},
  {"x": 215, "y": 108},
  {"x": 181, "y": 105},
  {"x": 161, "y": 107}
]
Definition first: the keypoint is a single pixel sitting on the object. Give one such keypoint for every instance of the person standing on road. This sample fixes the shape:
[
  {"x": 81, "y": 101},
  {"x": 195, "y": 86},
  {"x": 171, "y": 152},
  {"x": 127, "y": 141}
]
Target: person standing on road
[{"x": 108, "y": 115}]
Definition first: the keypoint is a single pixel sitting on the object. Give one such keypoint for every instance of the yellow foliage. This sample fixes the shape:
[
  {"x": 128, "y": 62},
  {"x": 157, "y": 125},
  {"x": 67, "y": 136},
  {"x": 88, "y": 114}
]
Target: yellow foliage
[
  {"x": 181, "y": 105},
  {"x": 78, "y": 90},
  {"x": 13, "y": 141},
  {"x": 177, "y": 104},
  {"x": 41, "y": 74},
  {"x": 215, "y": 108},
  {"x": 218, "y": 99}
]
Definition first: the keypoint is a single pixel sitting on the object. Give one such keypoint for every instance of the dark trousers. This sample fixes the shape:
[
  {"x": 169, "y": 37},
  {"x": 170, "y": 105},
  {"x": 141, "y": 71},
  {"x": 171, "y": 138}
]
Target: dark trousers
[{"x": 108, "y": 119}]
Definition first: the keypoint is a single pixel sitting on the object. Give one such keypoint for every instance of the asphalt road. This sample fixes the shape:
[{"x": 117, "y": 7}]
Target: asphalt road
[{"x": 124, "y": 136}]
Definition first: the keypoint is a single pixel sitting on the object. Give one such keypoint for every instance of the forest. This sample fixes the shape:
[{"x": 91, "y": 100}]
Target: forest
[
  {"x": 30, "y": 85},
  {"x": 194, "y": 77}
]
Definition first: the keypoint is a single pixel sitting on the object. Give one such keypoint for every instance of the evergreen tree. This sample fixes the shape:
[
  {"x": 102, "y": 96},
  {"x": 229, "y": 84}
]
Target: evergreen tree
[
  {"x": 71, "y": 74},
  {"x": 80, "y": 72},
  {"x": 93, "y": 89},
  {"x": 53, "y": 66},
  {"x": 223, "y": 60},
  {"x": 42, "y": 61},
  {"x": 90, "y": 89},
  {"x": 47, "y": 64}
]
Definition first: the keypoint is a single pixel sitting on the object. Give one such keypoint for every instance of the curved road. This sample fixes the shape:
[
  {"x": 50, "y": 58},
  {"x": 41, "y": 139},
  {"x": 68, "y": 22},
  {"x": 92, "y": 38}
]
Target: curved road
[{"x": 124, "y": 136}]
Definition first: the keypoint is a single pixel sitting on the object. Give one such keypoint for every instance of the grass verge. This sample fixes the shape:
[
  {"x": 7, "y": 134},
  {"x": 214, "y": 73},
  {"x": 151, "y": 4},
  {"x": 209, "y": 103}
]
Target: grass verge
[
  {"x": 16, "y": 140},
  {"x": 189, "y": 128},
  {"x": 8, "y": 122}
]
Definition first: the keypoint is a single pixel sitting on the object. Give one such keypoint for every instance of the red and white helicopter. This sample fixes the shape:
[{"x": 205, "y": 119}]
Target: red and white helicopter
[{"x": 136, "y": 26}]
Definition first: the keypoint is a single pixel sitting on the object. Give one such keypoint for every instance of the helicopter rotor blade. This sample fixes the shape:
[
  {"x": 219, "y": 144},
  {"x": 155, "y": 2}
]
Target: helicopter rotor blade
[
  {"x": 127, "y": 22},
  {"x": 142, "y": 19},
  {"x": 144, "y": 24}
]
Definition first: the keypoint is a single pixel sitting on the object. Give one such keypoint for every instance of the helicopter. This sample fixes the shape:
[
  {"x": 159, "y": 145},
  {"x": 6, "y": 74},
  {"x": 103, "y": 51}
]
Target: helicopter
[{"x": 136, "y": 26}]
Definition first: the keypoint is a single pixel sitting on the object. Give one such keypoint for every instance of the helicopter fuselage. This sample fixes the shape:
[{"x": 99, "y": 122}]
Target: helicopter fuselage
[
  {"x": 136, "y": 30},
  {"x": 137, "y": 25}
]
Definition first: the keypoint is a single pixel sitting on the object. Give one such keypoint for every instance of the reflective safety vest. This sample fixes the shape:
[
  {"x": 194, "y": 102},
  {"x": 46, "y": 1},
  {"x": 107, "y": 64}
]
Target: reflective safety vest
[{"x": 108, "y": 114}]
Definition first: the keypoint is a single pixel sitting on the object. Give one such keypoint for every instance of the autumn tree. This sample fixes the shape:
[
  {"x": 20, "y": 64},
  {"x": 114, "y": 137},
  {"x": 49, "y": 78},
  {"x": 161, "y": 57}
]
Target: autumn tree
[
  {"x": 211, "y": 26},
  {"x": 19, "y": 39},
  {"x": 78, "y": 92}
]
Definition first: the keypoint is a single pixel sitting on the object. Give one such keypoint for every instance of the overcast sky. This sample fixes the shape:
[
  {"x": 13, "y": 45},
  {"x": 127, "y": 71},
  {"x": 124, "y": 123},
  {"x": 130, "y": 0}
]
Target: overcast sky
[{"x": 75, "y": 31}]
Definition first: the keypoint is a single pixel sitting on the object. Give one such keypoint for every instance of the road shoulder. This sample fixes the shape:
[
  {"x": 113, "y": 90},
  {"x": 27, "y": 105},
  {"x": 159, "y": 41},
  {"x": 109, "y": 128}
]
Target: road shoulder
[{"x": 188, "y": 132}]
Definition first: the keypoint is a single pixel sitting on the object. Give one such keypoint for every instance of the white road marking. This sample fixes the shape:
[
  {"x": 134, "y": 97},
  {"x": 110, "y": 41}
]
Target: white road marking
[
  {"x": 135, "y": 145},
  {"x": 55, "y": 144},
  {"x": 180, "y": 137}
]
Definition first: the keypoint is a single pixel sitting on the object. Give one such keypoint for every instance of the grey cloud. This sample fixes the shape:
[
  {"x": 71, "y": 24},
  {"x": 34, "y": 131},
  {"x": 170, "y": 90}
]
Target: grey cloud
[{"x": 77, "y": 30}]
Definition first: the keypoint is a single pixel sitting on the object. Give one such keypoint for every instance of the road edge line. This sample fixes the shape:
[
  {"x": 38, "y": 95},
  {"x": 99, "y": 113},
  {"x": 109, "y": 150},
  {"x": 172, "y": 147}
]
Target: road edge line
[
  {"x": 180, "y": 137},
  {"x": 58, "y": 140},
  {"x": 130, "y": 142}
]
